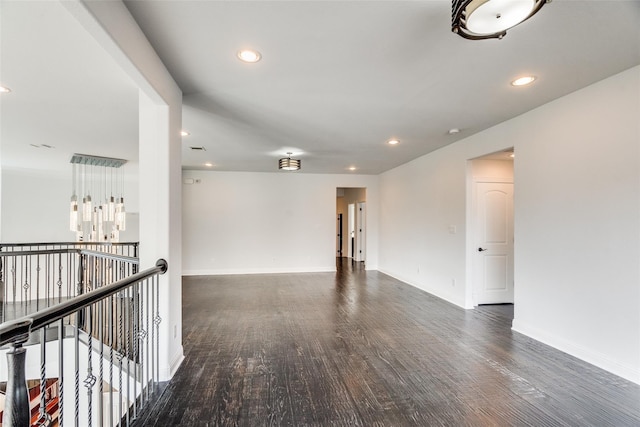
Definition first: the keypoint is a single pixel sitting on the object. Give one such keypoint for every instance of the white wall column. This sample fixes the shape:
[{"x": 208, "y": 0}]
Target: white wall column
[
  {"x": 160, "y": 114},
  {"x": 160, "y": 224}
]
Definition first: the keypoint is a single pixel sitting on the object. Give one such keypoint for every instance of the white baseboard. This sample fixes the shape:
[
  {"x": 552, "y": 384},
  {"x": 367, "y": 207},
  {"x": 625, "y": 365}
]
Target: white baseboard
[
  {"x": 590, "y": 356},
  {"x": 226, "y": 271},
  {"x": 167, "y": 372},
  {"x": 427, "y": 290}
]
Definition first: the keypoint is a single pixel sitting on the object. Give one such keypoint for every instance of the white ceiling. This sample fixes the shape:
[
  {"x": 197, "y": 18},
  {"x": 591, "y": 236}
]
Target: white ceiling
[
  {"x": 336, "y": 81},
  {"x": 66, "y": 91}
]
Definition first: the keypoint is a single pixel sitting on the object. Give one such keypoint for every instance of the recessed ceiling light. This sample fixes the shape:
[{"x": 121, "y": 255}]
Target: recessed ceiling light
[
  {"x": 184, "y": 133},
  {"x": 453, "y": 131},
  {"x": 523, "y": 81},
  {"x": 512, "y": 155},
  {"x": 4, "y": 89},
  {"x": 250, "y": 56},
  {"x": 393, "y": 142},
  {"x": 208, "y": 164},
  {"x": 352, "y": 168}
]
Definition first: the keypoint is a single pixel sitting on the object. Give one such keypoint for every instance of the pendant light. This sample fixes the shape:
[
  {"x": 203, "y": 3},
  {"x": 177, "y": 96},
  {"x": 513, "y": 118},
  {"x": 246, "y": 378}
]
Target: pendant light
[
  {"x": 289, "y": 164},
  {"x": 102, "y": 215}
]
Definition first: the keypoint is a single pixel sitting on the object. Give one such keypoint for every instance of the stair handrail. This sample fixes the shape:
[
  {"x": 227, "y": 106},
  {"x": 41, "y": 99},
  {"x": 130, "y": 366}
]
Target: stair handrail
[{"x": 16, "y": 333}]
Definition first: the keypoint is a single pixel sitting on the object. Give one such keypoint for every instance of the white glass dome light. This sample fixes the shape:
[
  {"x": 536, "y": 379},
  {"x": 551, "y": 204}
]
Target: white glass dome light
[
  {"x": 483, "y": 19},
  {"x": 494, "y": 16}
]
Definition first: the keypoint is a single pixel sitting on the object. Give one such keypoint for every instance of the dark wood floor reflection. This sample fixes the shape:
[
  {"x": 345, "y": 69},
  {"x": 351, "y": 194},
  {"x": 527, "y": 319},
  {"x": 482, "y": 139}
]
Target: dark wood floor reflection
[{"x": 359, "y": 348}]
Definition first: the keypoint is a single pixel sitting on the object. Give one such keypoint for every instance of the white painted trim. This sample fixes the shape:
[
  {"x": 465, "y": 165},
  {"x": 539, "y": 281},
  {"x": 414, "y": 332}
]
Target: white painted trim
[
  {"x": 429, "y": 291},
  {"x": 169, "y": 371},
  {"x": 595, "y": 358},
  {"x": 230, "y": 271},
  {"x": 470, "y": 236}
]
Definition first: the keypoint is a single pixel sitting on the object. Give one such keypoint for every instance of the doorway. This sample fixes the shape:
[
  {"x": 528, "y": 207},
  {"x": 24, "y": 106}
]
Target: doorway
[
  {"x": 490, "y": 236},
  {"x": 351, "y": 223}
]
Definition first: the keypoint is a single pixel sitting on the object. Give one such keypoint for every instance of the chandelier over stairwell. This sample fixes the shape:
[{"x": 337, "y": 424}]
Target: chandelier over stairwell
[{"x": 96, "y": 211}]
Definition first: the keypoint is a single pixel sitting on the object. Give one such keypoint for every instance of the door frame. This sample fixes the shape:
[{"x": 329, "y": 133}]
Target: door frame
[
  {"x": 361, "y": 231},
  {"x": 470, "y": 237}
]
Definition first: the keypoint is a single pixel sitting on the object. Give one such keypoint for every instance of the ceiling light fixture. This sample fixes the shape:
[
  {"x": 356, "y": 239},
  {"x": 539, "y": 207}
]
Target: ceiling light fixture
[
  {"x": 289, "y": 164},
  {"x": 393, "y": 142},
  {"x": 249, "y": 56},
  {"x": 102, "y": 219},
  {"x": 184, "y": 133},
  {"x": 208, "y": 164},
  {"x": 523, "y": 81},
  {"x": 453, "y": 131},
  {"x": 4, "y": 89},
  {"x": 490, "y": 19},
  {"x": 352, "y": 168}
]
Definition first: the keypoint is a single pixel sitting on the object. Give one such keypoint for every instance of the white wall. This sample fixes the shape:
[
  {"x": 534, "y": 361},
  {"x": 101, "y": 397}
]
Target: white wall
[
  {"x": 577, "y": 227},
  {"x": 35, "y": 206},
  {"x": 241, "y": 222},
  {"x": 577, "y": 221}
]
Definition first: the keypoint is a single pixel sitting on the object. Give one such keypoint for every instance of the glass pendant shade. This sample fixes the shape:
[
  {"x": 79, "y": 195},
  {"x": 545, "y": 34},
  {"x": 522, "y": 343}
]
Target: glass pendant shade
[
  {"x": 115, "y": 234},
  {"x": 94, "y": 220},
  {"x": 100, "y": 230},
  {"x": 73, "y": 213},
  {"x": 121, "y": 216},
  {"x": 86, "y": 208},
  {"x": 111, "y": 209}
]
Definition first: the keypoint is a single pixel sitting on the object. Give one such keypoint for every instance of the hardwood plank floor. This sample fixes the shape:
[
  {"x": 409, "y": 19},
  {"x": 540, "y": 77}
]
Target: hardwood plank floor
[{"x": 359, "y": 348}]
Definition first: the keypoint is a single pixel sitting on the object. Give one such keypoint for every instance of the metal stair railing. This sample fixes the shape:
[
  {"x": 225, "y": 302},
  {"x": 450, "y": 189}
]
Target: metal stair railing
[{"x": 115, "y": 324}]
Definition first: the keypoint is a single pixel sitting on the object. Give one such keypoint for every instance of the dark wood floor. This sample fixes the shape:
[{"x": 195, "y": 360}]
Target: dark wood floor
[{"x": 359, "y": 348}]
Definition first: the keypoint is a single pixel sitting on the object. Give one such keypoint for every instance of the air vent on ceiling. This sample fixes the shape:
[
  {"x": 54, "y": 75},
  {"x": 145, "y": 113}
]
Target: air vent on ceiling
[{"x": 198, "y": 148}]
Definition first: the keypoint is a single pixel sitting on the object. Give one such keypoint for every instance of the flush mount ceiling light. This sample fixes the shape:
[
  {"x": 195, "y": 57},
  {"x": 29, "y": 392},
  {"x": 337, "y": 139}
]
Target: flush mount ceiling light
[
  {"x": 490, "y": 19},
  {"x": 453, "y": 131},
  {"x": 4, "y": 89},
  {"x": 184, "y": 133},
  {"x": 352, "y": 168},
  {"x": 393, "y": 142},
  {"x": 523, "y": 81},
  {"x": 289, "y": 164},
  {"x": 249, "y": 56}
]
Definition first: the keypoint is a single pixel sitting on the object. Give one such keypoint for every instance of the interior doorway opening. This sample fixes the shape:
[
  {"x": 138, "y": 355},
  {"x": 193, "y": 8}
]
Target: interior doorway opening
[
  {"x": 490, "y": 236},
  {"x": 351, "y": 223}
]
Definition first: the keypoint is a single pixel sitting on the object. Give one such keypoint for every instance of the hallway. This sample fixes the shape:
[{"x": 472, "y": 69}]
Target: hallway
[{"x": 359, "y": 348}]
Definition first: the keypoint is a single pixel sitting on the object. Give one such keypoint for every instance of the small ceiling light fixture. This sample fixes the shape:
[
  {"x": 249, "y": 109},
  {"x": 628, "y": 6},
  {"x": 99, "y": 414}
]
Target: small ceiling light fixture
[
  {"x": 184, "y": 133},
  {"x": 453, "y": 131},
  {"x": 490, "y": 19},
  {"x": 352, "y": 168},
  {"x": 4, "y": 89},
  {"x": 523, "y": 81},
  {"x": 249, "y": 56},
  {"x": 208, "y": 164},
  {"x": 393, "y": 142},
  {"x": 289, "y": 164}
]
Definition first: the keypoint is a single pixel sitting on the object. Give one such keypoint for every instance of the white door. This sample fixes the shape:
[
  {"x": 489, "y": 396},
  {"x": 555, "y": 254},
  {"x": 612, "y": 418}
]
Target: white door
[
  {"x": 493, "y": 253},
  {"x": 351, "y": 230},
  {"x": 360, "y": 232}
]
